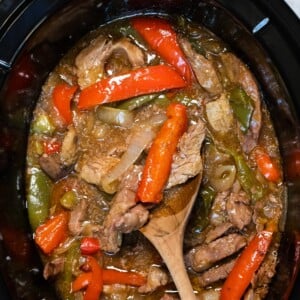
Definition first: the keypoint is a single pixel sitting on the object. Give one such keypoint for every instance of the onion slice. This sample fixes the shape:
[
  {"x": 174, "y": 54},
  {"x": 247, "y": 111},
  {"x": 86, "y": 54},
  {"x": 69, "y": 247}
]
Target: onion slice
[{"x": 115, "y": 116}]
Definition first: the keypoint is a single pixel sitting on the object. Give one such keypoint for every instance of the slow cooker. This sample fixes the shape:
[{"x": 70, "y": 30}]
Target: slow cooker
[{"x": 34, "y": 34}]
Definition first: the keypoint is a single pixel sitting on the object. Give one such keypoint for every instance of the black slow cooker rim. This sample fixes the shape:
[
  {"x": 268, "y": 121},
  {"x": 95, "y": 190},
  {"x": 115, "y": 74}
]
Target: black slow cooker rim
[{"x": 276, "y": 10}]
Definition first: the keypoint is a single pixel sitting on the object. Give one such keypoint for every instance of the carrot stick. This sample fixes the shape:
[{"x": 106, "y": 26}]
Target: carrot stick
[
  {"x": 51, "y": 233},
  {"x": 246, "y": 266},
  {"x": 159, "y": 160}
]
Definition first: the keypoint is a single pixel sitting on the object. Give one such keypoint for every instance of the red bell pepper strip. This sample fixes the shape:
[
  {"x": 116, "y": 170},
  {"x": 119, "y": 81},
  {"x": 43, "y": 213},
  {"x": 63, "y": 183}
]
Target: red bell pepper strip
[
  {"x": 266, "y": 165},
  {"x": 51, "y": 233},
  {"x": 245, "y": 267},
  {"x": 159, "y": 160},
  {"x": 141, "y": 81},
  {"x": 109, "y": 277},
  {"x": 51, "y": 147},
  {"x": 95, "y": 286},
  {"x": 89, "y": 245},
  {"x": 62, "y": 96},
  {"x": 161, "y": 37}
]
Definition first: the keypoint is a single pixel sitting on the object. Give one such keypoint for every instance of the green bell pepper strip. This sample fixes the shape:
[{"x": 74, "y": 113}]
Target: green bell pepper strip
[
  {"x": 137, "y": 102},
  {"x": 42, "y": 125},
  {"x": 38, "y": 196},
  {"x": 242, "y": 106}
]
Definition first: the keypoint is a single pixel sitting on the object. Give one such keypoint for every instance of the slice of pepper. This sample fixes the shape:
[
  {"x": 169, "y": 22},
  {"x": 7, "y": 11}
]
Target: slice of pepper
[{"x": 137, "y": 82}]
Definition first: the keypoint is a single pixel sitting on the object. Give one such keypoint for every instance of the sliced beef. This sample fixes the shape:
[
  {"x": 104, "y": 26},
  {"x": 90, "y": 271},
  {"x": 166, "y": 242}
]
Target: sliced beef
[
  {"x": 123, "y": 215},
  {"x": 156, "y": 278},
  {"x": 219, "y": 115},
  {"x": 218, "y": 211},
  {"x": 92, "y": 169},
  {"x": 90, "y": 62},
  {"x": 53, "y": 167},
  {"x": 77, "y": 216},
  {"x": 53, "y": 267},
  {"x": 238, "y": 209},
  {"x": 131, "y": 178},
  {"x": 215, "y": 274},
  {"x": 187, "y": 161},
  {"x": 203, "y": 68},
  {"x": 239, "y": 74},
  {"x": 69, "y": 151},
  {"x": 132, "y": 220},
  {"x": 204, "y": 256},
  {"x": 217, "y": 231}
]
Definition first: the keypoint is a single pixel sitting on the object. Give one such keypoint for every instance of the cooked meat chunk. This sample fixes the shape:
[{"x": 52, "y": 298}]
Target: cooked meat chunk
[
  {"x": 219, "y": 115},
  {"x": 69, "y": 154},
  {"x": 90, "y": 62},
  {"x": 215, "y": 274},
  {"x": 217, "y": 231},
  {"x": 203, "y": 68},
  {"x": 111, "y": 237},
  {"x": 156, "y": 278},
  {"x": 54, "y": 267},
  {"x": 238, "y": 209},
  {"x": 204, "y": 256},
  {"x": 187, "y": 161},
  {"x": 132, "y": 220},
  {"x": 238, "y": 73},
  {"x": 131, "y": 178},
  {"x": 77, "y": 216},
  {"x": 92, "y": 169},
  {"x": 53, "y": 167},
  {"x": 218, "y": 210}
]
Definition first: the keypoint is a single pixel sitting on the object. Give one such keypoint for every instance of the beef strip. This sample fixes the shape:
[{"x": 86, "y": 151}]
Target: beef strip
[
  {"x": 124, "y": 216},
  {"x": 53, "y": 167},
  {"x": 238, "y": 73},
  {"x": 90, "y": 62},
  {"x": 187, "y": 160},
  {"x": 156, "y": 278},
  {"x": 215, "y": 274},
  {"x": 203, "y": 68},
  {"x": 69, "y": 153},
  {"x": 53, "y": 267},
  {"x": 77, "y": 216},
  {"x": 218, "y": 210},
  {"x": 93, "y": 168},
  {"x": 130, "y": 179},
  {"x": 238, "y": 209},
  {"x": 132, "y": 220},
  {"x": 204, "y": 256},
  {"x": 217, "y": 231},
  {"x": 219, "y": 115}
]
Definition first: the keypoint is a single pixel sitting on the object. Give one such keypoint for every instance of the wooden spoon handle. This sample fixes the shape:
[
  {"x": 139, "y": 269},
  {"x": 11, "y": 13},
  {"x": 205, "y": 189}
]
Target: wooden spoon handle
[{"x": 171, "y": 250}]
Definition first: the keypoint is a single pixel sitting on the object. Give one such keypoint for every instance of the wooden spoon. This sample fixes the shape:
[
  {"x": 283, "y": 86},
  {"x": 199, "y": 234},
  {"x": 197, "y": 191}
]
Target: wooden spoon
[{"x": 165, "y": 230}]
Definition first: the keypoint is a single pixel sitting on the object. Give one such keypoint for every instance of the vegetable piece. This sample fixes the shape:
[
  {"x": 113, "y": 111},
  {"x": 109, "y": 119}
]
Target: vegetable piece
[
  {"x": 159, "y": 160},
  {"x": 95, "y": 286},
  {"x": 51, "y": 147},
  {"x": 42, "y": 124},
  {"x": 137, "y": 102},
  {"x": 68, "y": 200},
  {"x": 242, "y": 106},
  {"x": 161, "y": 37},
  {"x": 247, "y": 178},
  {"x": 246, "y": 266},
  {"x": 89, "y": 245},
  {"x": 62, "y": 96},
  {"x": 51, "y": 233},
  {"x": 134, "y": 83},
  {"x": 266, "y": 166},
  {"x": 109, "y": 277},
  {"x": 38, "y": 197},
  {"x": 115, "y": 116},
  {"x": 65, "y": 278}
]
